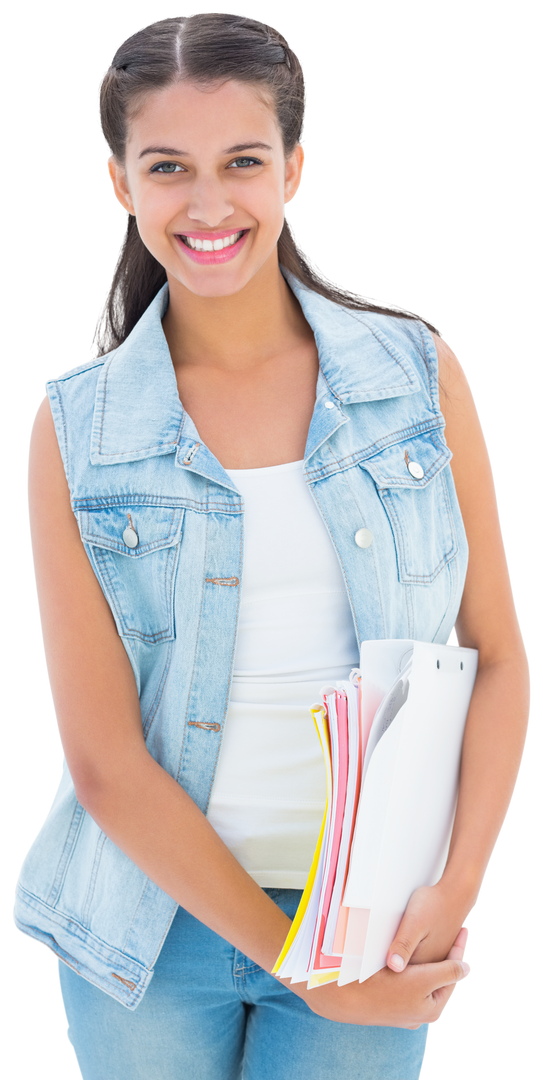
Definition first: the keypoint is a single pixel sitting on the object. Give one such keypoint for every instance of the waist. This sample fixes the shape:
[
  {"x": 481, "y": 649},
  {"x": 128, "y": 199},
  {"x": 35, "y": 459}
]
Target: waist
[{"x": 293, "y": 688}]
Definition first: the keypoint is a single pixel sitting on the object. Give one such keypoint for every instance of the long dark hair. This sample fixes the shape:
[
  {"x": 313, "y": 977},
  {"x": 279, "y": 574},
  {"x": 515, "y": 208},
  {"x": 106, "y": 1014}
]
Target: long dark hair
[{"x": 203, "y": 49}]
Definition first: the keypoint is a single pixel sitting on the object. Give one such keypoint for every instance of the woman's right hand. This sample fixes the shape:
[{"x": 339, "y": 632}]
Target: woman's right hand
[{"x": 406, "y": 999}]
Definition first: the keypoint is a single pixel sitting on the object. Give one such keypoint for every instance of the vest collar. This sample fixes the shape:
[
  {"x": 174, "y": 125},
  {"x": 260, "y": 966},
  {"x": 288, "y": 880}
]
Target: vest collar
[{"x": 138, "y": 413}]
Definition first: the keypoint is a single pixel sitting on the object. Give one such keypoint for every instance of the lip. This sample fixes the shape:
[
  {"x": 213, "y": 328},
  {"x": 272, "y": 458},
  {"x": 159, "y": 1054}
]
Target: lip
[{"x": 207, "y": 258}]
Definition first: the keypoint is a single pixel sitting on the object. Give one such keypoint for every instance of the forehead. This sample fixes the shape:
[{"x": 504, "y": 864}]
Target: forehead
[{"x": 204, "y": 117}]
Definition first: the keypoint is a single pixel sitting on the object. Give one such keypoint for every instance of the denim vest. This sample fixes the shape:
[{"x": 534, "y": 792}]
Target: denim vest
[{"x": 162, "y": 524}]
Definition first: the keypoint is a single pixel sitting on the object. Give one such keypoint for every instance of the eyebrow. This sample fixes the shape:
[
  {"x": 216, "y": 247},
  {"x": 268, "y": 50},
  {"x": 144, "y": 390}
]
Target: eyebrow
[{"x": 171, "y": 151}]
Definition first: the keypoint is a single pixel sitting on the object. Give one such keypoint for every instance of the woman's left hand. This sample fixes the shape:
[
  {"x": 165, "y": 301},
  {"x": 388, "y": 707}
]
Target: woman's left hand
[{"x": 431, "y": 924}]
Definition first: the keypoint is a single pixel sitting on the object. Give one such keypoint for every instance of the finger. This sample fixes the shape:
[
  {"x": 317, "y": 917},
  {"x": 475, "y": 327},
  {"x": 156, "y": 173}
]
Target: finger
[
  {"x": 439, "y": 999},
  {"x": 408, "y": 935},
  {"x": 464, "y": 936},
  {"x": 431, "y": 977},
  {"x": 456, "y": 951},
  {"x": 443, "y": 995},
  {"x": 447, "y": 973}
]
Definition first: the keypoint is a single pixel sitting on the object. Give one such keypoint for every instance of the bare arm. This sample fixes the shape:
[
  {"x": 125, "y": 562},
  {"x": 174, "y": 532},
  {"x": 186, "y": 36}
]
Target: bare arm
[
  {"x": 487, "y": 621},
  {"x": 136, "y": 803},
  {"x": 497, "y": 719}
]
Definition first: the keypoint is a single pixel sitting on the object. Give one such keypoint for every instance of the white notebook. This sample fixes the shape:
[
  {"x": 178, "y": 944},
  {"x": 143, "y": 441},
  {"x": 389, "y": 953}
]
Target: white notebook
[
  {"x": 409, "y": 788},
  {"x": 402, "y": 739}
]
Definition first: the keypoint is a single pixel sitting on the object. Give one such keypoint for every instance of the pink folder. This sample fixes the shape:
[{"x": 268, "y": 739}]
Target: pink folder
[{"x": 339, "y": 770}]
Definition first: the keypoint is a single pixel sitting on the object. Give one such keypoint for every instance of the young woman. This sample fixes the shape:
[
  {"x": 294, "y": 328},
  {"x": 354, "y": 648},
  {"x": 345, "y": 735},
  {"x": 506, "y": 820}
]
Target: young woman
[{"x": 243, "y": 413}]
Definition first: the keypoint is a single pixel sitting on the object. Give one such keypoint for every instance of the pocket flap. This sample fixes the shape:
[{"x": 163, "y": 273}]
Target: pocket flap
[
  {"x": 147, "y": 528},
  {"x": 411, "y": 463}
]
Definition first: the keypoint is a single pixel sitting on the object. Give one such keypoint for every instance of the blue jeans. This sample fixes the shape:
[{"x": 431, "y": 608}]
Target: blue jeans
[{"x": 210, "y": 1013}]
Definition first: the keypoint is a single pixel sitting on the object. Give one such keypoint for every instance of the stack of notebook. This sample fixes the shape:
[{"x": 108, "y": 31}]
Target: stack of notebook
[{"x": 392, "y": 740}]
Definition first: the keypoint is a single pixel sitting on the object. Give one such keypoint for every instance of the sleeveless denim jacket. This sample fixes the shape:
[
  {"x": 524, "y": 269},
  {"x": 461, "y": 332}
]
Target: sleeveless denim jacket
[{"x": 162, "y": 524}]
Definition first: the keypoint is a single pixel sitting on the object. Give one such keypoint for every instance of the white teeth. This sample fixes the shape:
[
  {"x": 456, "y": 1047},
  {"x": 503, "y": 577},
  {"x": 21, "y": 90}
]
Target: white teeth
[{"x": 212, "y": 245}]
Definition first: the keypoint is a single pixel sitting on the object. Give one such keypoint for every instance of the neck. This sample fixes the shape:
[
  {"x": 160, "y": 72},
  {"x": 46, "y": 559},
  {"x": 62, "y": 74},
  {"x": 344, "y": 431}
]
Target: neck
[{"x": 236, "y": 332}]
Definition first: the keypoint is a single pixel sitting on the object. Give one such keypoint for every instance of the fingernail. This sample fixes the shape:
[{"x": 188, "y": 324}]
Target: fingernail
[
  {"x": 396, "y": 962},
  {"x": 466, "y": 967}
]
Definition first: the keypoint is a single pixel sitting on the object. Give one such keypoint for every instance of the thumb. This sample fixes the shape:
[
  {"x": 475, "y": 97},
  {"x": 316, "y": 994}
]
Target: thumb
[
  {"x": 445, "y": 976},
  {"x": 408, "y": 935}
]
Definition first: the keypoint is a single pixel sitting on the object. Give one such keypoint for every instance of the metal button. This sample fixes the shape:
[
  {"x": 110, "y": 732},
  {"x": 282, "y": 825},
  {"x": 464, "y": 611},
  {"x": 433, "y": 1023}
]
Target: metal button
[
  {"x": 364, "y": 537},
  {"x": 329, "y": 405},
  {"x": 416, "y": 470},
  {"x": 130, "y": 537},
  {"x": 187, "y": 460}
]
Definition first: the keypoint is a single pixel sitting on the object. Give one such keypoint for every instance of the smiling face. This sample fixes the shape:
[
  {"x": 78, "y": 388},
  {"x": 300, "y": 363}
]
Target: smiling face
[{"x": 206, "y": 177}]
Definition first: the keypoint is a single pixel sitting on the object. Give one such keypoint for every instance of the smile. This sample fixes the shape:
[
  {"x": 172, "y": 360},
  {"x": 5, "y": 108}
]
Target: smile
[
  {"x": 215, "y": 245},
  {"x": 217, "y": 250}
]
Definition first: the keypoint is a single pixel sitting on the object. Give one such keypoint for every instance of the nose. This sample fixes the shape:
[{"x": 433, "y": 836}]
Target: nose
[{"x": 209, "y": 203}]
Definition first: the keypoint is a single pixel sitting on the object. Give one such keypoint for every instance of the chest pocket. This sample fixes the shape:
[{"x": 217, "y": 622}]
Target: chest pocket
[
  {"x": 412, "y": 486},
  {"x": 135, "y": 550}
]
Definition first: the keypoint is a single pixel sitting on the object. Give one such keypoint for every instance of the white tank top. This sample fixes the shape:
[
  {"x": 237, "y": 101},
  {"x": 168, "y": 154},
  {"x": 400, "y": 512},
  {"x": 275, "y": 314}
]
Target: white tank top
[{"x": 295, "y": 633}]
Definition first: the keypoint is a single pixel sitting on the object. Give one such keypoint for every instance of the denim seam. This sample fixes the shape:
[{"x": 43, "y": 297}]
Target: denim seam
[
  {"x": 131, "y": 631},
  {"x": 398, "y": 534},
  {"x": 396, "y": 359},
  {"x": 103, "y": 394},
  {"x": 330, "y": 387},
  {"x": 225, "y": 710},
  {"x": 164, "y": 936},
  {"x": 171, "y": 538},
  {"x": 148, "y": 883},
  {"x": 82, "y": 368},
  {"x": 158, "y": 450},
  {"x": 433, "y": 379},
  {"x": 89, "y": 504},
  {"x": 340, "y": 560},
  {"x": 388, "y": 480},
  {"x": 67, "y": 849},
  {"x": 196, "y": 639},
  {"x": 408, "y": 593},
  {"x": 155, "y": 704},
  {"x": 426, "y": 363},
  {"x": 371, "y": 553},
  {"x": 86, "y": 905},
  {"x": 399, "y": 436},
  {"x": 104, "y": 576},
  {"x": 146, "y": 449},
  {"x": 65, "y": 431}
]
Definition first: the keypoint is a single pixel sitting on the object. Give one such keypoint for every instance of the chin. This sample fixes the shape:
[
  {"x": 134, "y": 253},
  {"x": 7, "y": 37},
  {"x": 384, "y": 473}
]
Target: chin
[
  {"x": 213, "y": 285},
  {"x": 214, "y": 289}
]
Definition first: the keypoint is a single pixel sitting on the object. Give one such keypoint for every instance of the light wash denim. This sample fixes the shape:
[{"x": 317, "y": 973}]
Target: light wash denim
[
  {"x": 210, "y": 1013},
  {"x": 134, "y": 459}
]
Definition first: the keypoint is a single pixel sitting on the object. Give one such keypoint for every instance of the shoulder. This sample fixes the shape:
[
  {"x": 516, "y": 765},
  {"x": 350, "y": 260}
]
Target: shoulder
[
  {"x": 43, "y": 431},
  {"x": 470, "y": 463},
  {"x": 487, "y": 619},
  {"x": 449, "y": 365},
  {"x": 45, "y": 444},
  {"x": 455, "y": 396},
  {"x": 47, "y": 477}
]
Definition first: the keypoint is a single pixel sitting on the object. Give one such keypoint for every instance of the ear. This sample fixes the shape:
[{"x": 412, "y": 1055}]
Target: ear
[
  {"x": 120, "y": 186},
  {"x": 293, "y": 172}
]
